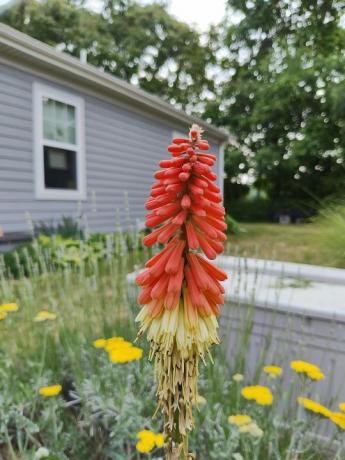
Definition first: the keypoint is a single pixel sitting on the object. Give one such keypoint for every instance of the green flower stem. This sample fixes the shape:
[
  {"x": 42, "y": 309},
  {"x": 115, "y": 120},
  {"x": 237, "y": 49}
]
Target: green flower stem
[
  {"x": 9, "y": 446},
  {"x": 54, "y": 420},
  {"x": 294, "y": 443},
  {"x": 39, "y": 375},
  {"x": 339, "y": 453}
]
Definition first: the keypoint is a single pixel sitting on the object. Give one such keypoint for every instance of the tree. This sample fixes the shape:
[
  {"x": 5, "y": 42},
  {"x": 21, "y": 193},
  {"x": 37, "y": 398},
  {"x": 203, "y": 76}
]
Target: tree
[
  {"x": 284, "y": 96},
  {"x": 142, "y": 44}
]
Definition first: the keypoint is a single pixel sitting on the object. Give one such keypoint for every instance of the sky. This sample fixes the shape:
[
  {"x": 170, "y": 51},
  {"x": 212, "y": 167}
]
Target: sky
[{"x": 199, "y": 13}]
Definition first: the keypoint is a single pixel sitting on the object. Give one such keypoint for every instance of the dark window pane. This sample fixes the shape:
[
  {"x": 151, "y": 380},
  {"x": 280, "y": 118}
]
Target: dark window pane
[{"x": 60, "y": 169}]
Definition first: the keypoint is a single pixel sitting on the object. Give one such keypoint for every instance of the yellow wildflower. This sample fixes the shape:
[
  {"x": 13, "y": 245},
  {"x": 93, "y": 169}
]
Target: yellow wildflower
[
  {"x": 114, "y": 340},
  {"x": 260, "y": 394},
  {"x": 44, "y": 315},
  {"x": 237, "y": 378},
  {"x": 3, "y": 315},
  {"x": 159, "y": 440},
  {"x": 145, "y": 446},
  {"x": 314, "y": 406},
  {"x": 311, "y": 370},
  {"x": 342, "y": 406},
  {"x": 113, "y": 344},
  {"x": 239, "y": 419},
  {"x": 148, "y": 440},
  {"x": 100, "y": 343},
  {"x": 8, "y": 307},
  {"x": 52, "y": 390},
  {"x": 338, "y": 418},
  {"x": 273, "y": 371},
  {"x": 125, "y": 355}
]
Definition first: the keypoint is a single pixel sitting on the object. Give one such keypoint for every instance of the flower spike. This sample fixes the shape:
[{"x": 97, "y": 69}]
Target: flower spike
[{"x": 181, "y": 291}]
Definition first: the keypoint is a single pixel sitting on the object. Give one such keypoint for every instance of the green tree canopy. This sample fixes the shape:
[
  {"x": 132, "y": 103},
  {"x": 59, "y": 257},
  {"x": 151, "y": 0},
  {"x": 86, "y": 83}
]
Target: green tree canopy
[
  {"x": 283, "y": 95},
  {"x": 142, "y": 44}
]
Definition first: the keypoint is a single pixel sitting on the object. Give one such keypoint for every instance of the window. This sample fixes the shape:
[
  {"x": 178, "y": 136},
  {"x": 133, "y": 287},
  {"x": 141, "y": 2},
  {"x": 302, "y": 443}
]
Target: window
[{"x": 59, "y": 144}]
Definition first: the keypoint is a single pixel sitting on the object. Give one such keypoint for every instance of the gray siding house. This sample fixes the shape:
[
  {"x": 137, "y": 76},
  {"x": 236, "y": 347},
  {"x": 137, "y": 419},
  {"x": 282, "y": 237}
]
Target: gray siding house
[{"x": 77, "y": 141}]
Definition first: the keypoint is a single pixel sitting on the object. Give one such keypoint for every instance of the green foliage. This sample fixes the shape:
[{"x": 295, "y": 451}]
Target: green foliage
[
  {"x": 255, "y": 210},
  {"x": 258, "y": 209},
  {"x": 331, "y": 221},
  {"x": 272, "y": 73},
  {"x": 57, "y": 252},
  {"x": 142, "y": 44},
  {"x": 233, "y": 227},
  {"x": 103, "y": 405},
  {"x": 67, "y": 227},
  {"x": 284, "y": 98}
]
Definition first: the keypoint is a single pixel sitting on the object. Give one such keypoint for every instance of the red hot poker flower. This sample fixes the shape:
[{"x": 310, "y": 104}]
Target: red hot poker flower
[
  {"x": 181, "y": 289},
  {"x": 184, "y": 207}
]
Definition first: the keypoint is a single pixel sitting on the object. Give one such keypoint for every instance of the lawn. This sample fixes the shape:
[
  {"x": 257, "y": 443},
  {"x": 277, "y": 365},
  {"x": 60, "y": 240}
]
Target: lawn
[{"x": 303, "y": 243}]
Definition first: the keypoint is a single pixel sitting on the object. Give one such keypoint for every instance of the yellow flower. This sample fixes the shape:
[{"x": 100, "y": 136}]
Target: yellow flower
[
  {"x": 144, "y": 447},
  {"x": 44, "y": 315},
  {"x": 239, "y": 419},
  {"x": 338, "y": 418},
  {"x": 117, "y": 343},
  {"x": 237, "y": 378},
  {"x": 114, "y": 340},
  {"x": 260, "y": 394},
  {"x": 8, "y": 307},
  {"x": 52, "y": 390},
  {"x": 314, "y": 406},
  {"x": 100, "y": 343},
  {"x": 125, "y": 355},
  {"x": 159, "y": 440},
  {"x": 3, "y": 315},
  {"x": 311, "y": 370},
  {"x": 342, "y": 406},
  {"x": 273, "y": 371},
  {"x": 148, "y": 440}
]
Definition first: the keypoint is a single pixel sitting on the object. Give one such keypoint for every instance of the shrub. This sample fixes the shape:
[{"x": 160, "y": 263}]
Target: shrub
[
  {"x": 67, "y": 227},
  {"x": 233, "y": 227},
  {"x": 264, "y": 210}
]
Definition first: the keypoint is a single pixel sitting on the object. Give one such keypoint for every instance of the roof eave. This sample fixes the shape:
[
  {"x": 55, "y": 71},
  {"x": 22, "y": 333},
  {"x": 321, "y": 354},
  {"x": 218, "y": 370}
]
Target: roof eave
[{"x": 27, "y": 49}]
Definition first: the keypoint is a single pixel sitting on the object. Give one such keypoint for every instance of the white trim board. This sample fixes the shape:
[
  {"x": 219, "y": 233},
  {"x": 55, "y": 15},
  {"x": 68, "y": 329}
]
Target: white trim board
[{"x": 41, "y": 192}]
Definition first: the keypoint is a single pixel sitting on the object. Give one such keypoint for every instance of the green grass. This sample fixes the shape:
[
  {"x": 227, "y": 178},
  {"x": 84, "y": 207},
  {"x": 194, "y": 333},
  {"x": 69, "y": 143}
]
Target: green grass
[
  {"x": 104, "y": 405},
  {"x": 312, "y": 243}
]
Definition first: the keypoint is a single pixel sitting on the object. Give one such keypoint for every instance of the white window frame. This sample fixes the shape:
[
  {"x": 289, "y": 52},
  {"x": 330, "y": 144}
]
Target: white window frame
[{"x": 41, "y": 91}]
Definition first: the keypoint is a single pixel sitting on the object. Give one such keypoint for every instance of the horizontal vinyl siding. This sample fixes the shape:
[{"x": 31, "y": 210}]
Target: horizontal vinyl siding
[{"x": 123, "y": 149}]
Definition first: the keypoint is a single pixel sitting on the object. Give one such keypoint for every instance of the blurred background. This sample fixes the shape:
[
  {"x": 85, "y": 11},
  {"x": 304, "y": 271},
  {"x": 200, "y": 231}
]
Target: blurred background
[{"x": 270, "y": 72}]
